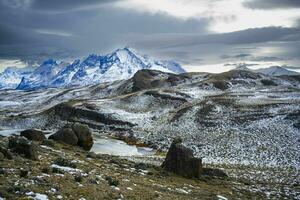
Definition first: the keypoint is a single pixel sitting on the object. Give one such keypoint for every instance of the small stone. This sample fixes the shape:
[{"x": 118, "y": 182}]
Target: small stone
[
  {"x": 24, "y": 173},
  {"x": 141, "y": 166},
  {"x": 111, "y": 181},
  {"x": 78, "y": 178},
  {"x": 46, "y": 170}
]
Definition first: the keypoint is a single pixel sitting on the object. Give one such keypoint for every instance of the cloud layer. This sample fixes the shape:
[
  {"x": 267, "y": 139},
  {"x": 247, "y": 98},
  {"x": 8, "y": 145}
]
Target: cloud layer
[{"x": 193, "y": 32}]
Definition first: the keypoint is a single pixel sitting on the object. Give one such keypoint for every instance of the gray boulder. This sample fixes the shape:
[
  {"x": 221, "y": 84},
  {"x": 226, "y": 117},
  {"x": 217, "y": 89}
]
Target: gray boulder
[
  {"x": 24, "y": 147},
  {"x": 84, "y": 135},
  {"x": 33, "y": 134},
  {"x": 75, "y": 134},
  {"x": 65, "y": 135},
  {"x": 180, "y": 160}
]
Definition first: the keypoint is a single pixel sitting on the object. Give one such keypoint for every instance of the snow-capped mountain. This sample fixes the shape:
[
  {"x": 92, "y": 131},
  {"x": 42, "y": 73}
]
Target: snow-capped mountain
[
  {"x": 118, "y": 65},
  {"x": 276, "y": 71},
  {"x": 41, "y": 76},
  {"x": 11, "y": 77}
]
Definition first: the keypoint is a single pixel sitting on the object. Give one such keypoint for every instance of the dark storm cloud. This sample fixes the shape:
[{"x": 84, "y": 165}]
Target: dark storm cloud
[
  {"x": 272, "y": 4},
  {"x": 29, "y": 33},
  {"x": 54, "y": 5},
  {"x": 241, "y": 64},
  {"x": 241, "y": 56},
  {"x": 266, "y": 59},
  {"x": 250, "y": 57},
  {"x": 34, "y": 30},
  {"x": 249, "y": 36}
]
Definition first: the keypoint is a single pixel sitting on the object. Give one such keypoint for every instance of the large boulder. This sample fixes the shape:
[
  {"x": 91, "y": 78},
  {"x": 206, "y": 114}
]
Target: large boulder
[
  {"x": 84, "y": 135},
  {"x": 23, "y": 146},
  {"x": 65, "y": 135},
  {"x": 180, "y": 160},
  {"x": 33, "y": 134},
  {"x": 75, "y": 134}
]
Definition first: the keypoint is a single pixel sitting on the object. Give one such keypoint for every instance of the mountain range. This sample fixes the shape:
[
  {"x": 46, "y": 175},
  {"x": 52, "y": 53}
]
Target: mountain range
[
  {"x": 270, "y": 71},
  {"x": 118, "y": 65}
]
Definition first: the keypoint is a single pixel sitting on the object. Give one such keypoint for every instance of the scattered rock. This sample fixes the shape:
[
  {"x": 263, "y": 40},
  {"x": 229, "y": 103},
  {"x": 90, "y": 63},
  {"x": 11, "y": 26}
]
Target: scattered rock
[
  {"x": 2, "y": 172},
  {"x": 45, "y": 170},
  {"x": 65, "y": 163},
  {"x": 180, "y": 160},
  {"x": 7, "y": 154},
  {"x": 65, "y": 135},
  {"x": 78, "y": 178},
  {"x": 111, "y": 181},
  {"x": 141, "y": 166},
  {"x": 23, "y": 173},
  {"x": 268, "y": 82},
  {"x": 24, "y": 147},
  {"x": 33, "y": 134}
]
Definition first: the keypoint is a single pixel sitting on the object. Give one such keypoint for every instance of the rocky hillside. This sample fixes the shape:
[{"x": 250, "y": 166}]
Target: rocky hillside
[{"x": 242, "y": 121}]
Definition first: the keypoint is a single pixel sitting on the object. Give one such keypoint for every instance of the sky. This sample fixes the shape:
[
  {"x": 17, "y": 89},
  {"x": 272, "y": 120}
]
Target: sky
[{"x": 201, "y": 35}]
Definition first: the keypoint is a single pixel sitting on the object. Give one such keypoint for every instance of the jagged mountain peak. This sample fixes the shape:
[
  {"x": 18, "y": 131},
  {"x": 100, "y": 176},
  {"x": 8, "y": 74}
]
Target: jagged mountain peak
[
  {"x": 49, "y": 61},
  {"x": 120, "y": 64}
]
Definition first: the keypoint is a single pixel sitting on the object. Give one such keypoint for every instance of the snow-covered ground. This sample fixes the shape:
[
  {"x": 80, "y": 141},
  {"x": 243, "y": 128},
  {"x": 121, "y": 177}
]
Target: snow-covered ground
[{"x": 247, "y": 124}]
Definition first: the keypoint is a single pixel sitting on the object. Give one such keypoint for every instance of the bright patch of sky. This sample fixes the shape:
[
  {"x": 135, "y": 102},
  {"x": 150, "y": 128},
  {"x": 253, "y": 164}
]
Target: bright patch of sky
[
  {"x": 225, "y": 15},
  {"x": 11, "y": 63}
]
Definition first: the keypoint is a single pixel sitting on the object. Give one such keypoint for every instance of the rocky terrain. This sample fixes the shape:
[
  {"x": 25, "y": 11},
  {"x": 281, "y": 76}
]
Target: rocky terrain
[{"x": 243, "y": 122}]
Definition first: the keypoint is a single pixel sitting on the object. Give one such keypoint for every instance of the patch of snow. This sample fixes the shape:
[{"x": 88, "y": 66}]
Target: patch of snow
[
  {"x": 69, "y": 169},
  {"x": 221, "y": 197}
]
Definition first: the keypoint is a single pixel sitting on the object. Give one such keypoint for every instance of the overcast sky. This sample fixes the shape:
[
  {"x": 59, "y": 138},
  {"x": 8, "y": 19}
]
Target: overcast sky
[{"x": 202, "y": 35}]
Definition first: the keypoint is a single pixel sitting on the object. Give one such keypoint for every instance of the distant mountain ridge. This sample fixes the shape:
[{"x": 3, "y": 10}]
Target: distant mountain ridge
[
  {"x": 118, "y": 65},
  {"x": 276, "y": 71},
  {"x": 269, "y": 71},
  {"x": 12, "y": 76}
]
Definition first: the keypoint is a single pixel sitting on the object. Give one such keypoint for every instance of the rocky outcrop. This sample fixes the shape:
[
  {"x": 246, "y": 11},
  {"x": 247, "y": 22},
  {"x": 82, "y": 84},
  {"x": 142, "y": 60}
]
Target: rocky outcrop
[
  {"x": 33, "y": 134},
  {"x": 148, "y": 79},
  {"x": 180, "y": 160},
  {"x": 71, "y": 113},
  {"x": 23, "y": 146},
  {"x": 75, "y": 134}
]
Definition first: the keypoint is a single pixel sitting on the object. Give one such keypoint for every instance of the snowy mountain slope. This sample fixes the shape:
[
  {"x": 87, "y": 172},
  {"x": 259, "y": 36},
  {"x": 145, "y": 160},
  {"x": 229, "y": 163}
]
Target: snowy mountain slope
[
  {"x": 41, "y": 76},
  {"x": 276, "y": 71},
  {"x": 118, "y": 65},
  {"x": 11, "y": 77}
]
